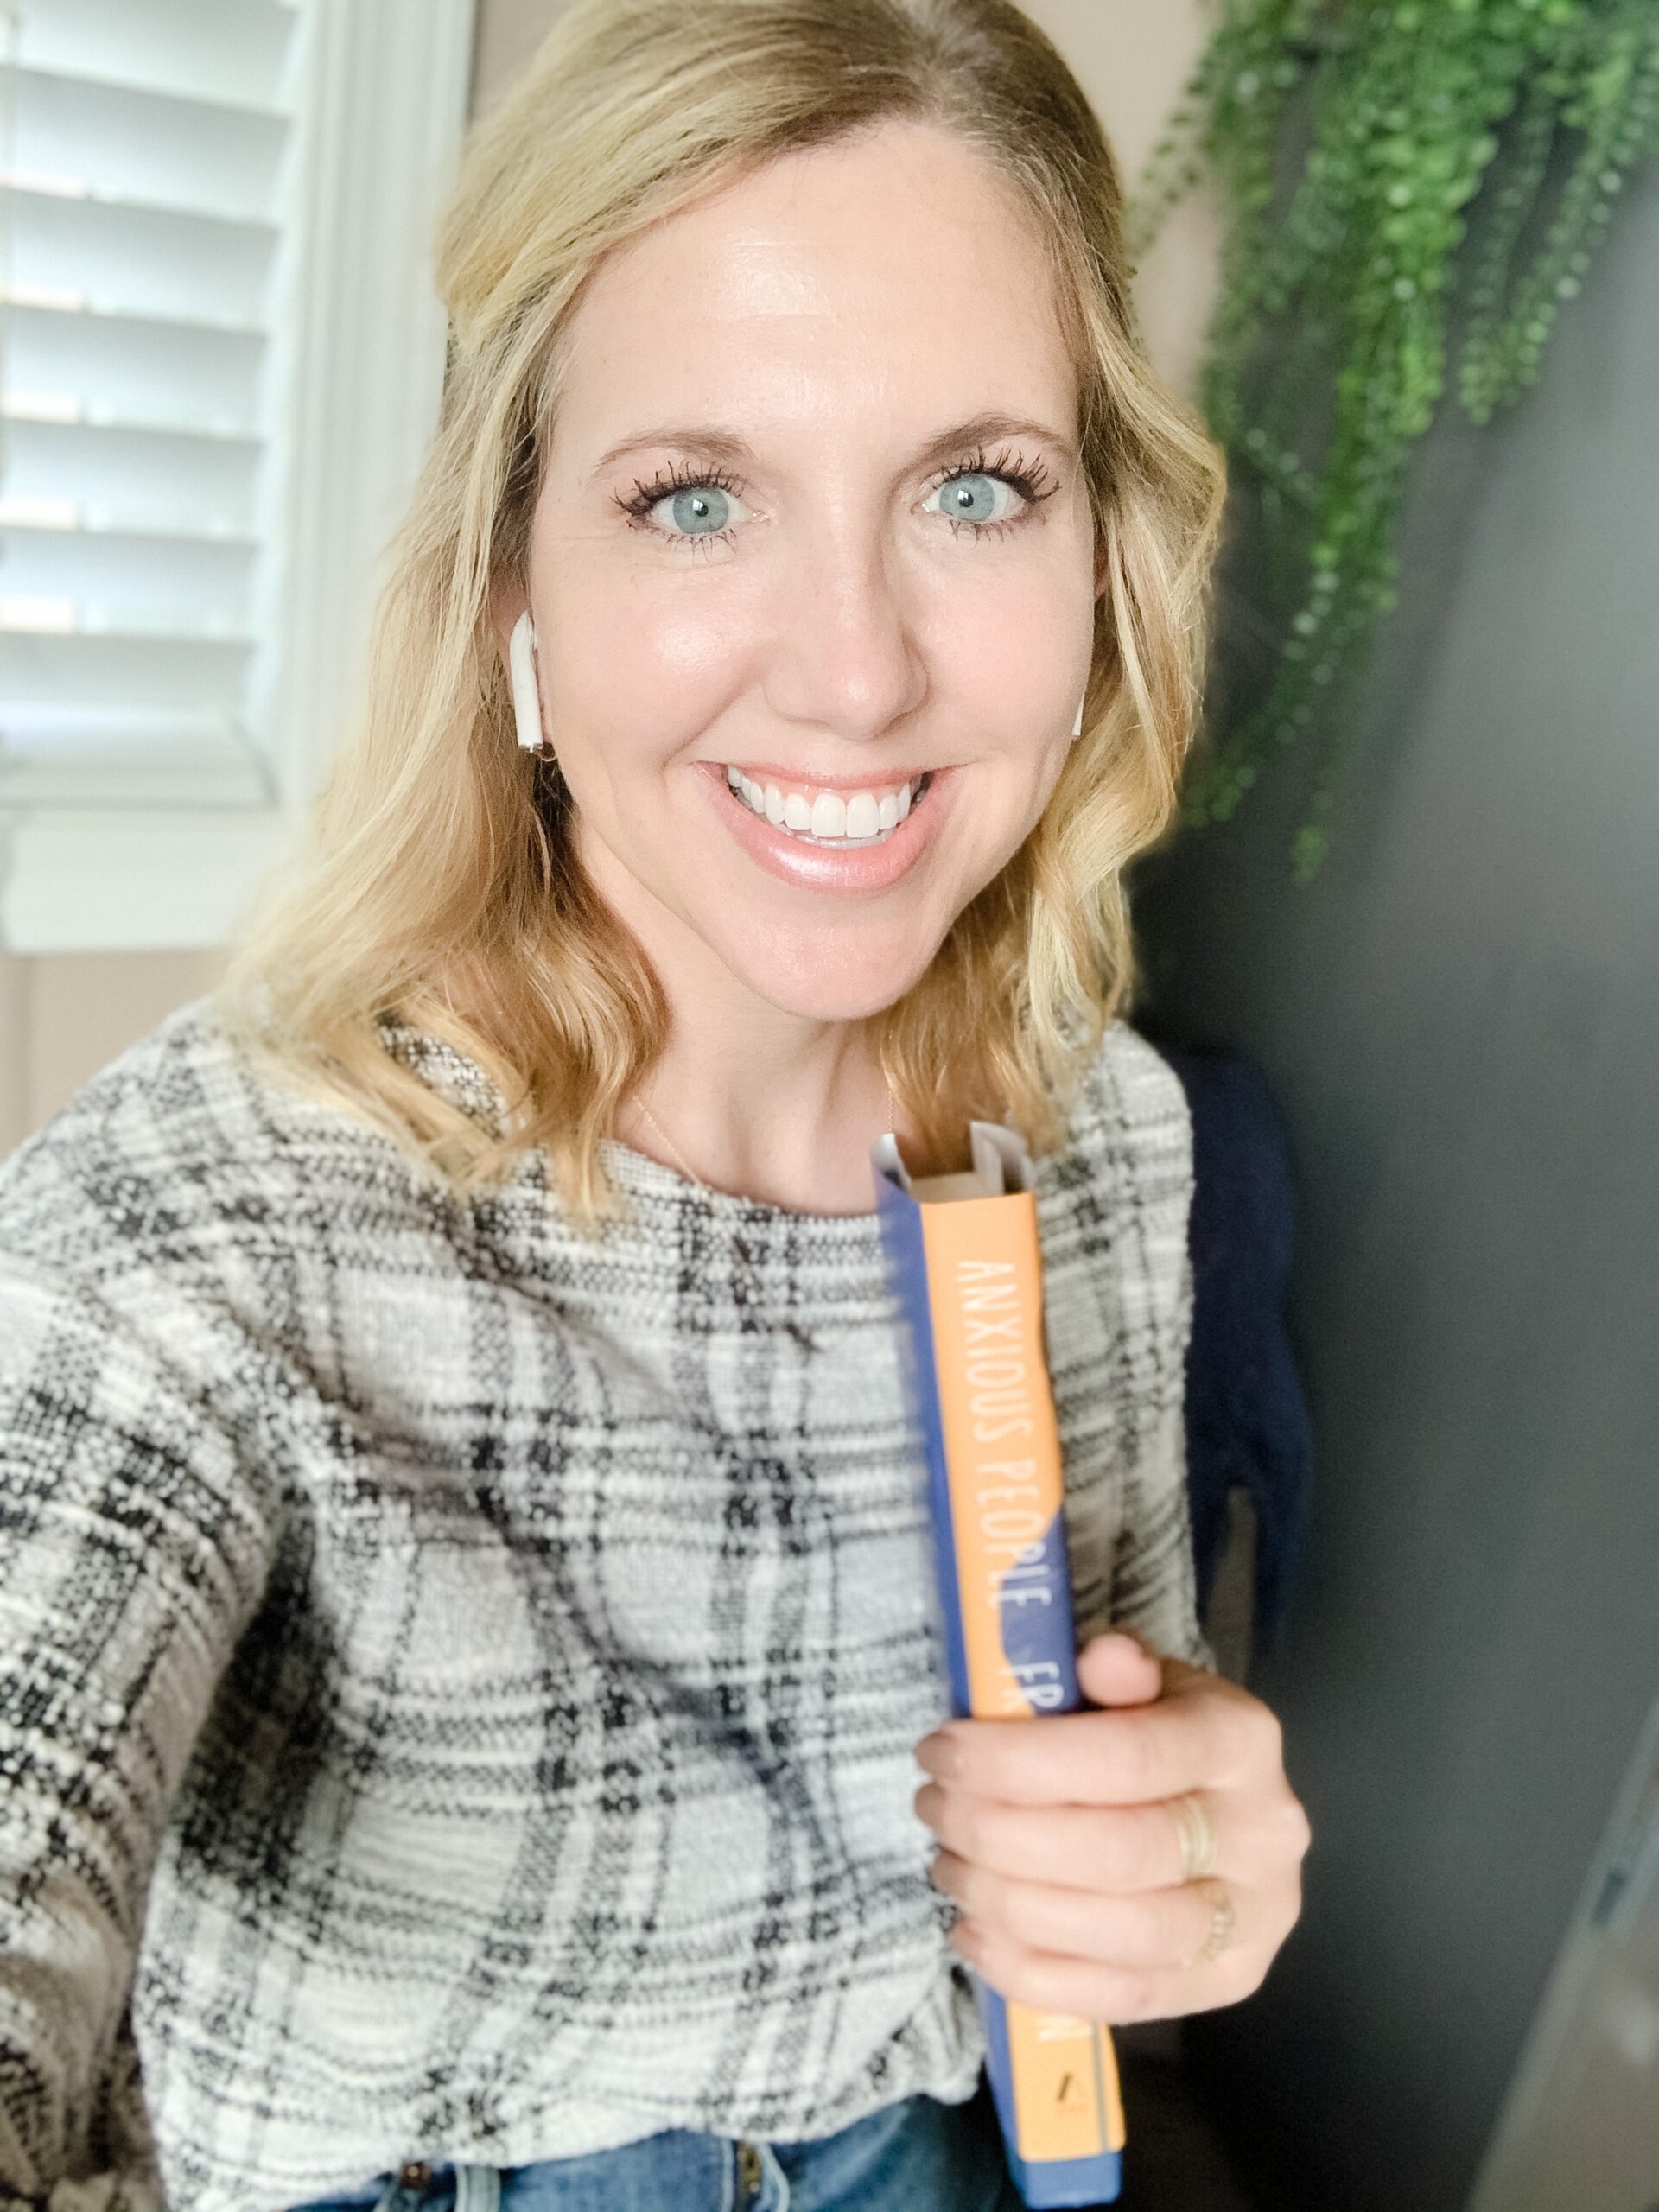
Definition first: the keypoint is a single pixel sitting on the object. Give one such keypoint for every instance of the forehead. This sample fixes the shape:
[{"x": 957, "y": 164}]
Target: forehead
[{"x": 896, "y": 274}]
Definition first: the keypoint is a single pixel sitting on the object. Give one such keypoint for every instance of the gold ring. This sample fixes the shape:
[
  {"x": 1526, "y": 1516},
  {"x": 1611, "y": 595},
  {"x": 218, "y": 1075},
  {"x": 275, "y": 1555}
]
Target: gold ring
[
  {"x": 1198, "y": 1834},
  {"x": 1223, "y": 1923}
]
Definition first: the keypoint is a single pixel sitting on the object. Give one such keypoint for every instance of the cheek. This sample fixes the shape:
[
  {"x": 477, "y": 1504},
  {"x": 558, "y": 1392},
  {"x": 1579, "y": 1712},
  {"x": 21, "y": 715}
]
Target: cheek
[
  {"x": 644, "y": 650},
  {"x": 1009, "y": 647}
]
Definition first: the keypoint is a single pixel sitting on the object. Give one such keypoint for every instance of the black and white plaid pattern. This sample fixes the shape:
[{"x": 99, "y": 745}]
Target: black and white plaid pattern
[{"x": 457, "y": 1682}]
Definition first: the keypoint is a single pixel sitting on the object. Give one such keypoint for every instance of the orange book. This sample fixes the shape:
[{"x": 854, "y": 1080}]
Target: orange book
[{"x": 964, "y": 1262}]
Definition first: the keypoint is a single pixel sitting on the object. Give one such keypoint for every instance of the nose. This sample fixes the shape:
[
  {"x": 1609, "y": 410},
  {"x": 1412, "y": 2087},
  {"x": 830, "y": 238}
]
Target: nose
[{"x": 846, "y": 656}]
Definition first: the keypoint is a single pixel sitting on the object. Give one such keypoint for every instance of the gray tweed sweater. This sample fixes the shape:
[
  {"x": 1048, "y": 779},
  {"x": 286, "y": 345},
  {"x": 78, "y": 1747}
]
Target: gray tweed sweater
[{"x": 458, "y": 1682}]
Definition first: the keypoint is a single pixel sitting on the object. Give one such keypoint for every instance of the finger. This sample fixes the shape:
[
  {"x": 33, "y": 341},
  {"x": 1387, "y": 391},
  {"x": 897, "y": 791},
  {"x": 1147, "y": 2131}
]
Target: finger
[
  {"x": 1204, "y": 1738},
  {"x": 1119, "y": 1848},
  {"x": 1115, "y": 1995},
  {"x": 1159, "y": 1928},
  {"x": 1118, "y": 1669}
]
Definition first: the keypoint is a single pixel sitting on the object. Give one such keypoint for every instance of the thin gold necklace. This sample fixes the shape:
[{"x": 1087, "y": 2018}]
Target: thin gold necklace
[
  {"x": 750, "y": 1274},
  {"x": 680, "y": 1160}
]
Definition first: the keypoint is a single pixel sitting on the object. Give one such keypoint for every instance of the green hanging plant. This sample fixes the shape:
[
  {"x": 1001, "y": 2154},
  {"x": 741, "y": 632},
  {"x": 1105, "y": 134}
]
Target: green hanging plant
[{"x": 1347, "y": 291}]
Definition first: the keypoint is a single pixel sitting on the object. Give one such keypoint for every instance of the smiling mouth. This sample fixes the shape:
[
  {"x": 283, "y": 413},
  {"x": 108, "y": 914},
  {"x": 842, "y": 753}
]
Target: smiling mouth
[{"x": 828, "y": 819}]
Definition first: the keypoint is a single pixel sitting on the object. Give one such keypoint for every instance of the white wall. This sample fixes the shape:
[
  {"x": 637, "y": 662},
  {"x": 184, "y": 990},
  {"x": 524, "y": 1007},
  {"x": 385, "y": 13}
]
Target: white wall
[{"x": 64, "y": 1014}]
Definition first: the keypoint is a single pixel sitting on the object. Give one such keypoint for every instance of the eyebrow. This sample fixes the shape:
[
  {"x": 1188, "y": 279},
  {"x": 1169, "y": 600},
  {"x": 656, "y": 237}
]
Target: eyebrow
[{"x": 710, "y": 442}]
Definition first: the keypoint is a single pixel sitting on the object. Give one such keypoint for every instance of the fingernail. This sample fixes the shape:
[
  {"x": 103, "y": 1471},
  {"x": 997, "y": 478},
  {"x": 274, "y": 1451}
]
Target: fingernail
[
  {"x": 939, "y": 1756},
  {"x": 1128, "y": 1638},
  {"x": 966, "y": 1938}
]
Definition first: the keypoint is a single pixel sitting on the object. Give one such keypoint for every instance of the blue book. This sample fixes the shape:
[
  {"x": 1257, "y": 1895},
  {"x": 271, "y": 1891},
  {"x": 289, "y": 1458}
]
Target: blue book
[{"x": 964, "y": 1262}]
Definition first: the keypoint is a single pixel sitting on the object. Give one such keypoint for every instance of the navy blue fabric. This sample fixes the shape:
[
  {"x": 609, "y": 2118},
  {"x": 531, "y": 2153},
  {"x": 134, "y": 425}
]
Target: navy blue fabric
[{"x": 1247, "y": 1418}]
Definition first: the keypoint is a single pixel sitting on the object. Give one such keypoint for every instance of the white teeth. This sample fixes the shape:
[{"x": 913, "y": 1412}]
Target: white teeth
[{"x": 829, "y": 815}]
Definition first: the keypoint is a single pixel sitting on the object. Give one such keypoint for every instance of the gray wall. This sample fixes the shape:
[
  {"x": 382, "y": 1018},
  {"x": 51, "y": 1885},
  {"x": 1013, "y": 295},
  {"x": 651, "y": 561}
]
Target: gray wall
[{"x": 1461, "y": 1019}]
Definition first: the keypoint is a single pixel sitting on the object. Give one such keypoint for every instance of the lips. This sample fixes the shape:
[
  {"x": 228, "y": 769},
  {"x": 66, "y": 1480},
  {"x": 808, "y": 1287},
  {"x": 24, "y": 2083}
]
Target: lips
[{"x": 832, "y": 866}]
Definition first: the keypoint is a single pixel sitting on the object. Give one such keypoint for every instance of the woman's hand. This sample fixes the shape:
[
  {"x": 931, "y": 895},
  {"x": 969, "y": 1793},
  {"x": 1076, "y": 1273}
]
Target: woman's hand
[{"x": 1065, "y": 1858}]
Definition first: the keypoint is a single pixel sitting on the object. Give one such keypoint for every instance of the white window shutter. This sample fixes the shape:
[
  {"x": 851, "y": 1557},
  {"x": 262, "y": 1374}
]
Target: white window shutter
[{"x": 220, "y": 361}]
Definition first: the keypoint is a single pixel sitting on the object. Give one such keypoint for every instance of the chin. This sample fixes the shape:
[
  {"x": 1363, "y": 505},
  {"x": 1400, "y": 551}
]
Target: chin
[{"x": 824, "y": 980}]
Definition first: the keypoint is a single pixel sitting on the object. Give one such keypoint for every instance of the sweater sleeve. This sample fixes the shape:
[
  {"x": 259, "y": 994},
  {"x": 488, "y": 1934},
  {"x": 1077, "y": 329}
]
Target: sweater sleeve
[
  {"x": 1153, "y": 1584},
  {"x": 1148, "y": 1582},
  {"x": 132, "y": 1554}
]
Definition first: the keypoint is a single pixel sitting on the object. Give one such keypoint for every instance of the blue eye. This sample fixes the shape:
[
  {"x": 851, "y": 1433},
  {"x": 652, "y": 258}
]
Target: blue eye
[
  {"x": 976, "y": 499},
  {"x": 697, "y": 510}
]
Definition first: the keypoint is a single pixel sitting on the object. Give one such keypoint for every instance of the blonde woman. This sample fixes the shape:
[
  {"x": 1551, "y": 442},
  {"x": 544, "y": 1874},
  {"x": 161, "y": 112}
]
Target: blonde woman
[{"x": 463, "y": 1632}]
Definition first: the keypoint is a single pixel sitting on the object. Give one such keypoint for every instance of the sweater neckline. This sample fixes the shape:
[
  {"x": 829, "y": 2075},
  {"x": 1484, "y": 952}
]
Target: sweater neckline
[
  {"x": 446, "y": 1068},
  {"x": 639, "y": 1173}
]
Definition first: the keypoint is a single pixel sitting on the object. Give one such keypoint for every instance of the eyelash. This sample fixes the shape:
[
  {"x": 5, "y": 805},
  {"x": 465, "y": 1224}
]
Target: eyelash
[
  {"x": 1031, "y": 480},
  {"x": 681, "y": 478}
]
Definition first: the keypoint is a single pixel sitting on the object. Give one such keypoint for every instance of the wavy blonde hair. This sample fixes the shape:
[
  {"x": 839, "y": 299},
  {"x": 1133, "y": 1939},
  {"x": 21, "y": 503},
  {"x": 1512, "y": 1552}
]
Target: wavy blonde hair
[{"x": 437, "y": 885}]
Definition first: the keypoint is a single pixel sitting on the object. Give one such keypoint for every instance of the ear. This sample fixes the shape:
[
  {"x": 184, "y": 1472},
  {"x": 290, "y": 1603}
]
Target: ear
[{"x": 508, "y": 600}]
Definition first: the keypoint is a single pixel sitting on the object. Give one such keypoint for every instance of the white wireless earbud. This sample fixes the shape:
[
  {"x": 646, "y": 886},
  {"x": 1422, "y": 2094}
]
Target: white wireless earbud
[
  {"x": 526, "y": 691},
  {"x": 1076, "y": 727}
]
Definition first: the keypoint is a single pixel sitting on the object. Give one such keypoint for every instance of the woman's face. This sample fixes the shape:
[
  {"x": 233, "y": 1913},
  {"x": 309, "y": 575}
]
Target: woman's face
[{"x": 812, "y": 510}]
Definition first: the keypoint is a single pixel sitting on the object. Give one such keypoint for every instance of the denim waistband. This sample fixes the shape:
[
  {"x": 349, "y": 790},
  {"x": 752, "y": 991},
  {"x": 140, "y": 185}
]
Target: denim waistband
[{"x": 916, "y": 2155}]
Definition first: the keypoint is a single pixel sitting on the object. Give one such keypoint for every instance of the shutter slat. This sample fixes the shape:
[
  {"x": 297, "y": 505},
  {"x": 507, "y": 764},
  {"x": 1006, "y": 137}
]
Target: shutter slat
[
  {"x": 170, "y": 373},
  {"x": 119, "y": 580},
  {"x": 212, "y": 776},
  {"x": 232, "y": 51},
  {"x": 120, "y": 671},
  {"x": 146, "y": 261},
  {"x": 130, "y": 759},
  {"x": 143, "y": 145},
  {"x": 133, "y": 478}
]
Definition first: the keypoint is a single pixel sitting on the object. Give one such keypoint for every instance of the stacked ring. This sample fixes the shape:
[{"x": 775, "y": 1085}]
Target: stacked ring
[
  {"x": 1198, "y": 1834},
  {"x": 1222, "y": 1921}
]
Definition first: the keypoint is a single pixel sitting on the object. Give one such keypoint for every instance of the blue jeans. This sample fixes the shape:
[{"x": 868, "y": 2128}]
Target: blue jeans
[{"x": 917, "y": 2156}]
